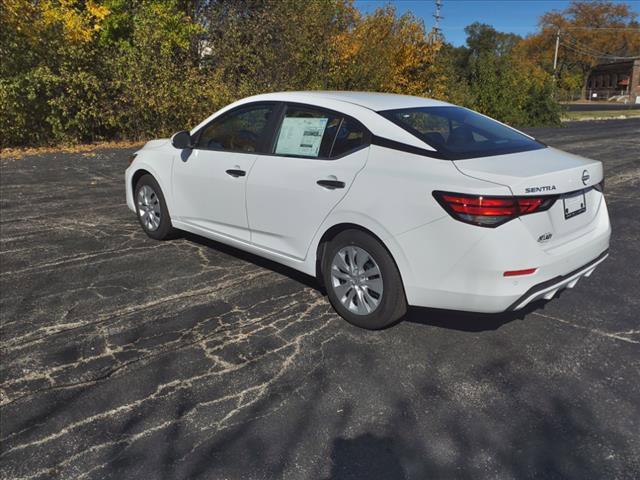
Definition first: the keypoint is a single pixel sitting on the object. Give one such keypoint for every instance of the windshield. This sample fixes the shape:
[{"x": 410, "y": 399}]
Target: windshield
[{"x": 458, "y": 133}]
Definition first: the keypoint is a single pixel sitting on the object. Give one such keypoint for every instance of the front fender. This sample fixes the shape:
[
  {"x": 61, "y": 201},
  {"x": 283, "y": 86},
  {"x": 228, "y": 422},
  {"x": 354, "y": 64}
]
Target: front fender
[{"x": 159, "y": 165}]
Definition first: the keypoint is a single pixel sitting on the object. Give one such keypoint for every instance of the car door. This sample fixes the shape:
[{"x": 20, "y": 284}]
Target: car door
[
  {"x": 316, "y": 155},
  {"x": 209, "y": 181}
]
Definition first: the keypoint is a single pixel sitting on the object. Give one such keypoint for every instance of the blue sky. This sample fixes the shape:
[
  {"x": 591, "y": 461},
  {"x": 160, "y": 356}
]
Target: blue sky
[{"x": 516, "y": 16}]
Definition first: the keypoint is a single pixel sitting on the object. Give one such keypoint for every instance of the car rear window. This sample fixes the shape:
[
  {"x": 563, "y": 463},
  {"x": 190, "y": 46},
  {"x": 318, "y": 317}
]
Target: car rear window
[{"x": 458, "y": 133}]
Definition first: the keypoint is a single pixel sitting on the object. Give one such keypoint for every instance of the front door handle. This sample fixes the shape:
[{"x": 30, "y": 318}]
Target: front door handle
[
  {"x": 330, "y": 184},
  {"x": 236, "y": 173}
]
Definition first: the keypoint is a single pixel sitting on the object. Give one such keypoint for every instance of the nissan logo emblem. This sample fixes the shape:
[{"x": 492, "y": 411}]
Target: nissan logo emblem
[{"x": 585, "y": 177}]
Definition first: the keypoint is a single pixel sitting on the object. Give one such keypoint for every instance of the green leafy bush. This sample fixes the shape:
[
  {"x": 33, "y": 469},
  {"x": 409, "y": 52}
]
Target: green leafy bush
[{"x": 119, "y": 69}]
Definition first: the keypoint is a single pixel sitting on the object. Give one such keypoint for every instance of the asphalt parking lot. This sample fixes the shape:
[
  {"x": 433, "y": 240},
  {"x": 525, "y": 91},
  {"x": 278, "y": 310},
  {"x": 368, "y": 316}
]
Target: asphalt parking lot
[{"x": 127, "y": 358}]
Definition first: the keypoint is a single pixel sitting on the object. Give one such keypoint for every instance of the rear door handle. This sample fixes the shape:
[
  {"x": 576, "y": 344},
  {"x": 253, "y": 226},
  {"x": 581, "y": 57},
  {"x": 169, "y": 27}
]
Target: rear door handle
[
  {"x": 236, "y": 173},
  {"x": 330, "y": 184}
]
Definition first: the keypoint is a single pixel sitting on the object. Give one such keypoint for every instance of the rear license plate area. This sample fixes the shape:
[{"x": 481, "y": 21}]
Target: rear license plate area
[{"x": 574, "y": 204}]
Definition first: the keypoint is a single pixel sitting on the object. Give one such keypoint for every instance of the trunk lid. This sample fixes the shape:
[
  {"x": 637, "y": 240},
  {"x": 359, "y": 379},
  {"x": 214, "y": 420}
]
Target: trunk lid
[
  {"x": 546, "y": 172},
  {"x": 539, "y": 172}
]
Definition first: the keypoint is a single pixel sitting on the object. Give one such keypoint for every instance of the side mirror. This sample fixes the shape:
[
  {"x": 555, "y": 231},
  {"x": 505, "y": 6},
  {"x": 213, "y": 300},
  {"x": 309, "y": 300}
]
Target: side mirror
[{"x": 181, "y": 140}]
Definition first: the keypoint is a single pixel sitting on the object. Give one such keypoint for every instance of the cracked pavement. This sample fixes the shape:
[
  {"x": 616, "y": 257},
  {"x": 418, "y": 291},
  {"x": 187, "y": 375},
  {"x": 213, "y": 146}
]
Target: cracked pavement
[{"x": 127, "y": 358}]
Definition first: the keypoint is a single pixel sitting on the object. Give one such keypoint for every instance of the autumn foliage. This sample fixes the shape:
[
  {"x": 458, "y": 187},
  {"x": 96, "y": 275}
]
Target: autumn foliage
[
  {"x": 589, "y": 33},
  {"x": 86, "y": 70}
]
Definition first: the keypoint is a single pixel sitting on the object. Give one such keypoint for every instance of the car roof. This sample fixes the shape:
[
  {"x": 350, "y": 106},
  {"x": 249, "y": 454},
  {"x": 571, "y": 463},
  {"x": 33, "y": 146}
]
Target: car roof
[
  {"x": 371, "y": 100},
  {"x": 361, "y": 105}
]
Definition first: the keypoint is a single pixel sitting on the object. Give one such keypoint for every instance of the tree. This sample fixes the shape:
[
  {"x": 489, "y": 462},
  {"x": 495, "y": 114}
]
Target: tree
[
  {"x": 266, "y": 45},
  {"x": 492, "y": 74},
  {"x": 84, "y": 70},
  {"x": 590, "y": 33},
  {"x": 483, "y": 38},
  {"x": 384, "y": 52},
  {"x": 49, "y": 80}
]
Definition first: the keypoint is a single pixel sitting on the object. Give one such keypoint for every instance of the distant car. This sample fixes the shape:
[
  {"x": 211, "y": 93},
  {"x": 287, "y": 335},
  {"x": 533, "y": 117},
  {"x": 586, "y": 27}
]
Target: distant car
[{"x": 389, "y": 200}]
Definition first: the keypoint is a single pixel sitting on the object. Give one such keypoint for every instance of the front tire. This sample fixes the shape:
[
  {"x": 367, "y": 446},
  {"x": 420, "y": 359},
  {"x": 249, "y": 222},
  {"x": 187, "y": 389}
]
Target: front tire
[
  {"x": 151, "y": 209},
  {"x": 362, "y": 281}
]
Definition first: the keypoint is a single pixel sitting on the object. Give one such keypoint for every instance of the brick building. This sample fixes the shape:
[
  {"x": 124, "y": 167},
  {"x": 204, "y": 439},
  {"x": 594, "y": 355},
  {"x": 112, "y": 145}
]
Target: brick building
[{"x": 617, "y": 78}]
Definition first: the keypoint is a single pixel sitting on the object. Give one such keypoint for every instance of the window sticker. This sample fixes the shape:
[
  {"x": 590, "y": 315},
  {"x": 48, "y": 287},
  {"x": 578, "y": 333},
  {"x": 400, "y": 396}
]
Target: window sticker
[{"x": 301, "y": 136}]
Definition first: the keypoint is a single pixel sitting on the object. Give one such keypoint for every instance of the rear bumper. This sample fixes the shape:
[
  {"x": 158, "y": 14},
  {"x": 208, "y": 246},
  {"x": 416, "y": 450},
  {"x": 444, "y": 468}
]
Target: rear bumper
[
  {"x": 548, "y": 289},
  {"x": 451, "y": 265}
]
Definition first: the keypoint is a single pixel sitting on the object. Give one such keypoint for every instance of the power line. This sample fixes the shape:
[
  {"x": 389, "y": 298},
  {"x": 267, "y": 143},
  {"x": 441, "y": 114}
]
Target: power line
[
  {"x": 635, "y": 29},
  {"x": 588, "y": 50},
  {"x": 576, "y": 42},
  {"x": 594, "y": 53}
]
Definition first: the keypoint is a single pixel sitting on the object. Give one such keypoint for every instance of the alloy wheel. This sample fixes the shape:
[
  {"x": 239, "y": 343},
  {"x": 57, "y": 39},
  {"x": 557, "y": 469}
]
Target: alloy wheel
[
  {"x": 149, "y": 208},
  {"x": 356, "y": 280}
]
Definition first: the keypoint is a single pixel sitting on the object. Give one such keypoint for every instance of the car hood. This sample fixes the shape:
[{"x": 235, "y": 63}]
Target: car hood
[{"x": 160, "y": 142}]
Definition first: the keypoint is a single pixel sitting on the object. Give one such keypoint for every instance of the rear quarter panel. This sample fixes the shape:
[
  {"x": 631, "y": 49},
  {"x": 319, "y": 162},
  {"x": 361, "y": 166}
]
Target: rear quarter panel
[{"x": 393, "y": 195}]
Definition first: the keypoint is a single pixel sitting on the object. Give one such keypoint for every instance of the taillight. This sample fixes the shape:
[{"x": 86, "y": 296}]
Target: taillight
[{"x": 490, "y": 211}]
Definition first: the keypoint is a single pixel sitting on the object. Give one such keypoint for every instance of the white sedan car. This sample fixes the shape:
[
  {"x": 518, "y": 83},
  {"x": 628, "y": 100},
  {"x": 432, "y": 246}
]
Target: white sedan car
[{"x": 388, "y": 200}]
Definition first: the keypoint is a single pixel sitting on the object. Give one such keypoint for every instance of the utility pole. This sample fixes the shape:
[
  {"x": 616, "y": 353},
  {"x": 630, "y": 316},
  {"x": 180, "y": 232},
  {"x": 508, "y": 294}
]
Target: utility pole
[
  {"x": 555, "y": 56},
  {"x": 438, "y": 17},
  {"x": 554, "y": 93}
]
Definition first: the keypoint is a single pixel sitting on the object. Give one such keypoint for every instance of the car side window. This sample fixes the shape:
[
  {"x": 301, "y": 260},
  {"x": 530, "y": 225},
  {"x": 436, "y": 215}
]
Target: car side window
[
  {"x": 242, "y": 130},
  {"x": 350, "y": 136},
  {"x": 317, "y": 133},
  {"x": 306, "y": 132}
]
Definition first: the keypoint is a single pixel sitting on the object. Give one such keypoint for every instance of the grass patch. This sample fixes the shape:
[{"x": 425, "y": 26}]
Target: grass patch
[{"x": 601, "y": 115}]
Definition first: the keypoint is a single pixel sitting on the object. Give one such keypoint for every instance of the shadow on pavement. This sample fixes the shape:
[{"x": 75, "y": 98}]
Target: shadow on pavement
[
  {"x": 300, "y": 277},
  {"x": 450, "y": 319},
  {"x": 454, "y": 439},
  {"x": 468, "y": 321},
  {"x": 366, "y": 456}
]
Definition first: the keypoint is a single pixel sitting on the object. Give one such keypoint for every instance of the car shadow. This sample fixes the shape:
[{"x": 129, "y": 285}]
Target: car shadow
[
  {"x": 449, "y": 319},
  {"x": 300, "y": 277},
  {"x": 468, "y": 321}
]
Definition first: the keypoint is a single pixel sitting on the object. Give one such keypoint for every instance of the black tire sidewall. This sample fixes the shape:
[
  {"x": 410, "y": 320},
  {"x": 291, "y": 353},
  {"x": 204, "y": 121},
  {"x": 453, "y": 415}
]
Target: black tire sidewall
[
  {"x": 393, "y": 304},
  {"x": 165, "y": 229}
]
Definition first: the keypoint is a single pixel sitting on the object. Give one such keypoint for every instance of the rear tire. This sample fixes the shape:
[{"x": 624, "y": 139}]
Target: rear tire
[
  {"x": 151, "y": 209},
  {"x": 362, "y": 281}
]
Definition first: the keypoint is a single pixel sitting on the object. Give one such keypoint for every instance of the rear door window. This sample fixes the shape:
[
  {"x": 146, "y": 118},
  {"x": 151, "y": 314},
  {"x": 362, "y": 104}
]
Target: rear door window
[
  {"x": 351, "y": 135},
  {"x": 317, "y": 133},
  {"x": 306, "y": 132}
]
